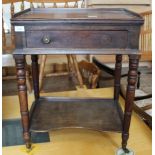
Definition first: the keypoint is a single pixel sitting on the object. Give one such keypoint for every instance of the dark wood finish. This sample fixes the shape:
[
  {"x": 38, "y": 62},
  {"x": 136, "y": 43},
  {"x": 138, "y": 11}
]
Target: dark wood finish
[
  {"x": 130, "y": 94},
  {"x": 35, "y": 75},
  {"x": 76, "y": 39},
  {"x": 106, "y": 51},
  {"x": 110, "y": 28},
  {"x": 22, "y": 91},
  {"x": 82, "y": 15},
  {"x": 74, "y": 4},
  {"x": 87, "y": 31},
  {"x": 72, "y": 112},
  {"x": 118, "y": 68}
]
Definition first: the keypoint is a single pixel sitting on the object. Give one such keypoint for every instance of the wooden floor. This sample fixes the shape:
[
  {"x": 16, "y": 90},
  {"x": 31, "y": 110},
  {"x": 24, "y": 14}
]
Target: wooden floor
[{"x": 81, "y": 141}]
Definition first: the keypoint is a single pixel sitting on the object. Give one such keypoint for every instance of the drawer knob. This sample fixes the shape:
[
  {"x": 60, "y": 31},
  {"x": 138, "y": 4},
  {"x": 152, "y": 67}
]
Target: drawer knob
[{"x": 46, "y": 39}]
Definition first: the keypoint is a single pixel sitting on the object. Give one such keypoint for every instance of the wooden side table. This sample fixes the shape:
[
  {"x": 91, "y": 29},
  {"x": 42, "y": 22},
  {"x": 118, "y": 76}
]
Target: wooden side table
[{"x": 76, "y": 31}]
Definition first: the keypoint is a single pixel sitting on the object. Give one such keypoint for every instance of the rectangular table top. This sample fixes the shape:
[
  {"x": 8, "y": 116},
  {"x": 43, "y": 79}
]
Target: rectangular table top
[
  {"x": 86, "y": 31},
  {"x": 102, "y": 15}
]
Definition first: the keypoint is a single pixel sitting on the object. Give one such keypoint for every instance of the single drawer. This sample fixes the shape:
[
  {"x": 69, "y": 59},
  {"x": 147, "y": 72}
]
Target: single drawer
[{"x": 77, "y": 39}]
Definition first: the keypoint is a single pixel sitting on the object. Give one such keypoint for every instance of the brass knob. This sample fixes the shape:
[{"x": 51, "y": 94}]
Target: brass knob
[{"x": 46, "y": 39}]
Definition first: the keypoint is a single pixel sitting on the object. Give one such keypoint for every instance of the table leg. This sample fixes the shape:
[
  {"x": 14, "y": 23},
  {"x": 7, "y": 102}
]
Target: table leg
[
  {"x": 118, "y": 69},
  {"x": 22, "y": 92},
  {"x": 132, "y": 78},
  {"x": 35, "y": 75}
]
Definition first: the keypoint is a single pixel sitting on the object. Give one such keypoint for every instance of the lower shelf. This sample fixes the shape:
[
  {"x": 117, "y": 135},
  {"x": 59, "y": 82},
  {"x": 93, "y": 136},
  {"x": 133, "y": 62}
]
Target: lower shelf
[{"x": 48, "y": 113}]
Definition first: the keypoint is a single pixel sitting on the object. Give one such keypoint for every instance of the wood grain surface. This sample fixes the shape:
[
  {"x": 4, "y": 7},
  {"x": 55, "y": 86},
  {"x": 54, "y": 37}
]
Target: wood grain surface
[{"x": 83, "y": 142}]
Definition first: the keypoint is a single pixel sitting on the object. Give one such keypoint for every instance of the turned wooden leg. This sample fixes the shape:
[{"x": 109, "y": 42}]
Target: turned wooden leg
[
  {"x": 130, "y": 94},
  {"x": 118, "y": 69},
  {"x": 28, "y": 84},
  {"x": 22, "y": 92},
  {"x": 42, "y": 67},
  {"x": 75, "y": 63},
  {"x": 35, "y": 75}
]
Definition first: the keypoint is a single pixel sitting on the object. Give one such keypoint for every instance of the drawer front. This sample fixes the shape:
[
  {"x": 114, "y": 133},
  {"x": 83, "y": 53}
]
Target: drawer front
[{"x": 76, "y": 39}]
